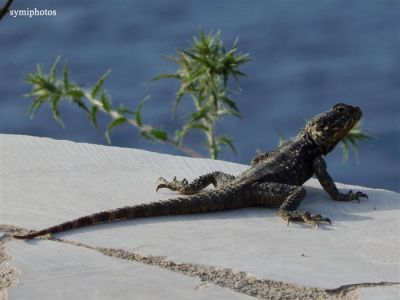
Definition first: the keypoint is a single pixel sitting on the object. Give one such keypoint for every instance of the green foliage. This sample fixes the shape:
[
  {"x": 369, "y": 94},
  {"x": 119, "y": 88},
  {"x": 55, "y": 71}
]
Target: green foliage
[
  {"x": 282, "y": 138},
  {"x": 116, "y": 122},
  {"x": 204, "y": 71},
  {"x": 49, "y": 88},
  {"x": 351, "y": 139}
]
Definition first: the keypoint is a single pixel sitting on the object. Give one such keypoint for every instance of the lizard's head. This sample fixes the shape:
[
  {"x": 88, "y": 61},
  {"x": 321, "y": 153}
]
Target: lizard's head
[{"x": 328, "y": 128}]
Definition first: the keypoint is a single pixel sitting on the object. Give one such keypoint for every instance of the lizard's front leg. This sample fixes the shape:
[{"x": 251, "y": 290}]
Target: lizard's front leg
[
  {"x": 288, "y": 212},
  {"x": 183, "y": 186},
  {"x": 329, "y": 186},
  {"x": 288, "y": 198}
]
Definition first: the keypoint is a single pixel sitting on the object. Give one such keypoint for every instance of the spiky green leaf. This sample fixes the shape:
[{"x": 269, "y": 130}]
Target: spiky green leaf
[
  {"x": 93, "y": 117},
  {"x": 138, "y": 111},
  {"x": 227, "y": 140},
  {"x": 66, "y": 77},
  {"x": 167, "y": 76},
  {"x": 75, "y": 93},
  {"x": 113, "y": 124},
  {"x": 36, "y": 104},
  {"x": 105, "y": 101},
  {"x": 158, "y": 134},
  {"x": 81, "y": 104},
  {"x": 99, "y": 84},
  {"x": 181, "y": 134},
  {"x": 54, "y": 101},
  {"x": 53, "y": 70}
]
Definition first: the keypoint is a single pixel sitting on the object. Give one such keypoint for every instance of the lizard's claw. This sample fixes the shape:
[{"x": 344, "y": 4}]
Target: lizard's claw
[
  {"x": 315, "y": 220},
  {"x": 306, "y": 217},
  {"x": 161, "y": 183},
  {"x": 319, "y": 218},
  {"x": 174, "y": 185},
  {"x": 350, "y": 196}
]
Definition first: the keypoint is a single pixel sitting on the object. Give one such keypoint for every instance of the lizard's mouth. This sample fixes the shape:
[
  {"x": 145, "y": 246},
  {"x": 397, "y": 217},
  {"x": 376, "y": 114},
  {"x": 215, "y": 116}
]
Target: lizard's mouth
[
  {"x": 350, "y": 121},
  {"x": 356, "y": 115}
]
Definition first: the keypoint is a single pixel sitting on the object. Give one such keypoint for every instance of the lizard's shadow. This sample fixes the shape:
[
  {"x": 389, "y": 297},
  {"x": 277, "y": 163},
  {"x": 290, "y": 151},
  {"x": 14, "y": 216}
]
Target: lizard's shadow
[
  {"x": 245, "y": 215},
  {"x": 317, "y": 201}
]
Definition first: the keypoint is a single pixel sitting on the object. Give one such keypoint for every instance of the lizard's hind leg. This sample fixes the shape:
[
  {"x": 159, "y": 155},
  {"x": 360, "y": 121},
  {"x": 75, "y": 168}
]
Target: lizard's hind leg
[{"x": 184, "y": 187}]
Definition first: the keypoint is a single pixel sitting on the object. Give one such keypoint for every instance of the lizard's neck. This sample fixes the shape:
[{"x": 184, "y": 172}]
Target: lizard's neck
[{"x": 307, "y": 139}]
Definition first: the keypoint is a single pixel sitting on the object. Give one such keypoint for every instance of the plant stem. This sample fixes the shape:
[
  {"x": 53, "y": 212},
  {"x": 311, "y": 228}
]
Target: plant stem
[
  {"x": 143, "y": 128},
  {"x": 211, "y": 141}
]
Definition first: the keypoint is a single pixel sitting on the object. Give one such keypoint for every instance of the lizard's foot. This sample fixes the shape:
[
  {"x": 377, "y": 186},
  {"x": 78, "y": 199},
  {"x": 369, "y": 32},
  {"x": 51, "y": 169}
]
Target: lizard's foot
[
  {"x": 174, "y": 185},
  {"x": 306, "y": 217},
  {"x": 314, "y": 220},
  {"x": 350, "y": 196}
]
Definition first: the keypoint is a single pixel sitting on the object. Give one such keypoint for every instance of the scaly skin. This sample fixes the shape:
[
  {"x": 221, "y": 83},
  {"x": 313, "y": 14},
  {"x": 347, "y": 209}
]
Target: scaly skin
[{"x": 274, "y": 179}]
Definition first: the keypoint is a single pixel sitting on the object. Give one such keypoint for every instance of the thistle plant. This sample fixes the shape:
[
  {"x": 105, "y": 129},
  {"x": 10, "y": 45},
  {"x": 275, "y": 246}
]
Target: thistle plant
[
  {"x": 204, "y": 72},
  {"x": 52, "y": 89},
  {"x": 351, "y": 139}
]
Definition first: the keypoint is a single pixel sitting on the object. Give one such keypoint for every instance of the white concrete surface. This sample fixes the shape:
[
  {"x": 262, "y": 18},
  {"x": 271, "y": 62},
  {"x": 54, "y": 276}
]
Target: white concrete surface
[
  {"x": 386, "y": 293},
  {"x": 44, "y": 182},
  {"x": 58, "y": 271}
]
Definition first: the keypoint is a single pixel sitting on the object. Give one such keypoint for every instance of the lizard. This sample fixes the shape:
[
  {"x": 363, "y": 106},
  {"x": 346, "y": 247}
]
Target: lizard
[{"x": 275, "y": 180}]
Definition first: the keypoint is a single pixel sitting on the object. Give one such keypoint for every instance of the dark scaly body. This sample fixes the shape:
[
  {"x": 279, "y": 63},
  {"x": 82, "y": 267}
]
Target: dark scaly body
[{"x": 275, "y": 179}]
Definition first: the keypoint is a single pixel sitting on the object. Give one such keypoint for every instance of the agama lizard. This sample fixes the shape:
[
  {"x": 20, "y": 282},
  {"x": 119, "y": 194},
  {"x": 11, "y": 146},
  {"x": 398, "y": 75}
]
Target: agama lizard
[{"x": 275, "y": 179}]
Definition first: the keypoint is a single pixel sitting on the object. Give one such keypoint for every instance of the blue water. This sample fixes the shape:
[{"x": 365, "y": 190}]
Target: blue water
[{"x": 307, "y": 55}]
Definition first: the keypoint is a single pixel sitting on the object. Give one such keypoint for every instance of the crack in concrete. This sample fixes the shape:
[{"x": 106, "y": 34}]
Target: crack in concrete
[
  {"x": 341, "y": 290},
  {"x": 238, "y": 281},
  {"x": 8, "y": 274}
]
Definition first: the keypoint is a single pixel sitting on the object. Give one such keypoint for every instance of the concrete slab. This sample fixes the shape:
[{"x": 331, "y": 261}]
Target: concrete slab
[
  {"x": 44, "y": 182},
  {"x": 387, "y": 293},
  {"x": 51, "y": 270}
]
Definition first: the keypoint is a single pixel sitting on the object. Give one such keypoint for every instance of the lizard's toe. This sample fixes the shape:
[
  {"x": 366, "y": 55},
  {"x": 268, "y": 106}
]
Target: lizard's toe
[
  {"x": 362, "y": 195},
  {"x": 350, "y": 196},
  {"x": 161, "y": 183},
  {"x": 174, "y": 185},
  {"x": 306, "y": 217},
  {"x": 356, "y": 196},
  {"x": 161, "y": 180},
  {"x": 160, "y": 186},
  {"x": 319, "y": 218},
  {"x": 315, "y": 220}
]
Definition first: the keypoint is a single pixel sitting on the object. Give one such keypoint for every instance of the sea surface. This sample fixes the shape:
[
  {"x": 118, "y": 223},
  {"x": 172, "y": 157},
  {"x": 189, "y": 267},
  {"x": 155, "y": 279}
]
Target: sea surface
[{"x": 306, "y": 56}]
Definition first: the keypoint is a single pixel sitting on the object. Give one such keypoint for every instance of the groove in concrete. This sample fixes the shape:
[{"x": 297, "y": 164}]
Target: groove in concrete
[
  {"x": 238, "y": 281},
  {"x": 8, "y": 274}
]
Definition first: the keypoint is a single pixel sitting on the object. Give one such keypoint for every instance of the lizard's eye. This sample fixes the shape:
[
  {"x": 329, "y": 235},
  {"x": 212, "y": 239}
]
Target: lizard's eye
[{"x": 338, "y": 108}]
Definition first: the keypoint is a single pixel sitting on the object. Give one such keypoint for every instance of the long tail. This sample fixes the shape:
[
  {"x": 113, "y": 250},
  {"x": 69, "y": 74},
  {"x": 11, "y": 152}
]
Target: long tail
[{"x": 213, "y": 200}]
